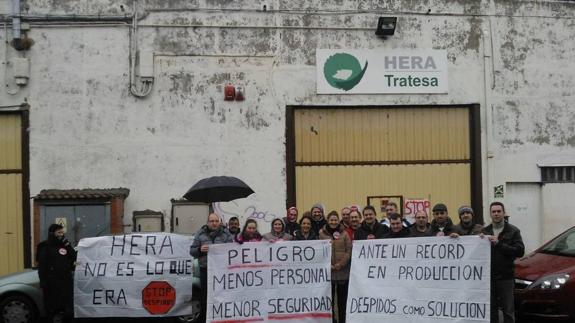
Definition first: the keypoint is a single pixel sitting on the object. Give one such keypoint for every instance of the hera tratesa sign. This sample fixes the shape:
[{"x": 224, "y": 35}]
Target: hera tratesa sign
[{"x": 357, "y": 71}]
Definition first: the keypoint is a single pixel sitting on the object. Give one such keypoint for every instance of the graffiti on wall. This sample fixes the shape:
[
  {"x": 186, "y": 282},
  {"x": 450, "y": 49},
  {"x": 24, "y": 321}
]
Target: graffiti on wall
[{"x": 231, "y": 209}]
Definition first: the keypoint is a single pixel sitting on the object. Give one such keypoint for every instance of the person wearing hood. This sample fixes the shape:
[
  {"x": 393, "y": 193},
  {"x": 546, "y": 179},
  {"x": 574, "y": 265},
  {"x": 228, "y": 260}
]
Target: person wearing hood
[
  {"x": 441, "y": 224},
  {"x": 249, "y": 233},
  {"x": 318, "y": 218},
  {"x": 56, "y": 259},
  {"x": 211, "y": 233},
  {"x": 278, "y": 233},
  {"x": 396, "y": 228},
  {"x": 370, "y": 228},
  {"x": 290, "y": 220},
  {"x": 305, "y": 231},
  {"x": 340, "y": 262}
]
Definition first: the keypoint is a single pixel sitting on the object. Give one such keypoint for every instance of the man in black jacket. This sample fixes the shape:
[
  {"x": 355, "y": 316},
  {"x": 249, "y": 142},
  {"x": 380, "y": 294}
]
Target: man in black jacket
[
  {"x": 370, "y": 228},
  {"x": 56, "y": 259},
  {"x": 506, "y": 245},
  {"x": 467, "y": 225},
  {"x": 396, "y": 228},
  {"x": 421, "y": 227},
  {"x": 441, "y": 224}
]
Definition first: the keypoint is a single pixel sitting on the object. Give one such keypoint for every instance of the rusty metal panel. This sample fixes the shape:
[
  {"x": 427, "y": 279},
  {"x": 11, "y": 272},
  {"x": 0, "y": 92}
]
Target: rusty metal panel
[
  {"x": 11, "y": 226},
  {"x": 386, "y": 134},
  {"x": 338, "y": 186},
  {"x": 10, "y": 142}
]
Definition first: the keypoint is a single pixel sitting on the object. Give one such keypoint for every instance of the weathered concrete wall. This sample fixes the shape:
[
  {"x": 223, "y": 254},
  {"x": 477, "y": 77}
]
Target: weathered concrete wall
[{"x": 515, "y": 58}]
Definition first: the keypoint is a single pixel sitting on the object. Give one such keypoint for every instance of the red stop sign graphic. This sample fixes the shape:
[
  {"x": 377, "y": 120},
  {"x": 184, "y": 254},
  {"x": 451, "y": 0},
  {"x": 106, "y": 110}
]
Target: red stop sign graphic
[{"x": 158, "y": 297}]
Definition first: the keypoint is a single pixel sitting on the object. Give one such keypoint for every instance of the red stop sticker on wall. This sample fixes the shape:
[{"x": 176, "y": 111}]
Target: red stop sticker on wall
[{"x": 158, "y": 297}]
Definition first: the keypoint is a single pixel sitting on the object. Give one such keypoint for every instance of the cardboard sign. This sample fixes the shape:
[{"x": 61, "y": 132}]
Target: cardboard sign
[
  {"x": 411, "y": 206},
  {"x": 288, "y": 281},
  {"x": 426, "y": 279},
  {"x": 133, "y": 275}
]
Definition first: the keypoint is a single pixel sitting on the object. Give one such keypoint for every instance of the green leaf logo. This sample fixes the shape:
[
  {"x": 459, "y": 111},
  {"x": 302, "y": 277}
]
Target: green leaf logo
[{"x": 343, "y": 71}]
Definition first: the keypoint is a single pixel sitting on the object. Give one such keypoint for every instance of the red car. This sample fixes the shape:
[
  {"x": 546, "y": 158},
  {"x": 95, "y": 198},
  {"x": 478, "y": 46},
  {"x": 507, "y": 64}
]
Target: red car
[{"x": 545, "y": 281}]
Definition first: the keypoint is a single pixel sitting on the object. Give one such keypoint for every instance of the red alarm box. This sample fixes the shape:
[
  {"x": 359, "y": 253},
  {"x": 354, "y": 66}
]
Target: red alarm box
[{"x": 229, "y": 92}]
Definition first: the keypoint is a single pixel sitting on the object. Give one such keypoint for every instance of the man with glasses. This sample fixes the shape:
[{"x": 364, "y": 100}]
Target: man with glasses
[
  {"x": 506, "y": 246},
  {"x": 441, "y": 224},
  {"x": 421, "y": 227}
]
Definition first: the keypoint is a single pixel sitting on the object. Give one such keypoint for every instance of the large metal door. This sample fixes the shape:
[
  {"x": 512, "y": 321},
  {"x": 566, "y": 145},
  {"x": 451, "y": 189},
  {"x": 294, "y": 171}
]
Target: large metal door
[
  {"x": 79, "y": 221},
  {"x": 342, "y": 156},
  {"x": 11, "y": 213}
]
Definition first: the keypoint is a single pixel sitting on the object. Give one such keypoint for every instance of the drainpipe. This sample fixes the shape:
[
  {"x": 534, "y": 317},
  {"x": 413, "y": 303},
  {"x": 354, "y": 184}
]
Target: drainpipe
[{"x": 16, "y": 35}]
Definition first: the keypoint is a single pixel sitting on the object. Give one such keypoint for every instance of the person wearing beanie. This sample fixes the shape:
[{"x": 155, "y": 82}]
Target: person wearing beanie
[
  {"x": 466, "y": 225},
  {"x": 290, "y": 220},
  {"x": 56, "y": 258},
  {"x": 318, "y": 218},
  {"x": 441, "y": 224}
]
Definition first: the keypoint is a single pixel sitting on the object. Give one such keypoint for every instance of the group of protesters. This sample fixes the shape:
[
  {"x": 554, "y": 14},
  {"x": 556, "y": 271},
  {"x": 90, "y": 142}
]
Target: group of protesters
[{"x": 362, "y": 224}]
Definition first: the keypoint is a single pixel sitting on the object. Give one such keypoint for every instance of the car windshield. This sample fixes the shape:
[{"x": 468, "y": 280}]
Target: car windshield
[{"x": 563, "y": 245}]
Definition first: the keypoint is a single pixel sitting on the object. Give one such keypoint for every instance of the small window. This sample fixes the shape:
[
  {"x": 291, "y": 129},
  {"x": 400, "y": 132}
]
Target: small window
[{"x": 558, "y": 174}]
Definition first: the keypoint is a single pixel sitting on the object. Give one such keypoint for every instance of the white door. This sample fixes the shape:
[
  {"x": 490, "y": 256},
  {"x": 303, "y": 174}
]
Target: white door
[{"x": 523, "y": 205}]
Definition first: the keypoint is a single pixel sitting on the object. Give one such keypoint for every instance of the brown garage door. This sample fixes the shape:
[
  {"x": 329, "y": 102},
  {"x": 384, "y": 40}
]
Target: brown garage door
[{"x": 343, "y": 155}]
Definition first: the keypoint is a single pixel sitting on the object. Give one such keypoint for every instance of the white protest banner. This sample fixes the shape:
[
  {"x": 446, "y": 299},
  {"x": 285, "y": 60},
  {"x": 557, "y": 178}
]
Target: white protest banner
[
  {"x": 133, "y": 275},
  {"x": 288, "y": 281},
  {"x": 430, "y": 279}
]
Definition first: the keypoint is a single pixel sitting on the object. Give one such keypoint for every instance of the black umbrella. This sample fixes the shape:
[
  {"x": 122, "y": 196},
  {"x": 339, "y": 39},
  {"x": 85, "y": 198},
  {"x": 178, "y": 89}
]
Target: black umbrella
[{"x": 218, "y": 189}]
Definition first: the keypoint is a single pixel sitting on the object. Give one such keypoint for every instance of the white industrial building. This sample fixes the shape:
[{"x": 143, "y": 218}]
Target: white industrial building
[{"x": 121, "y": 105}]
